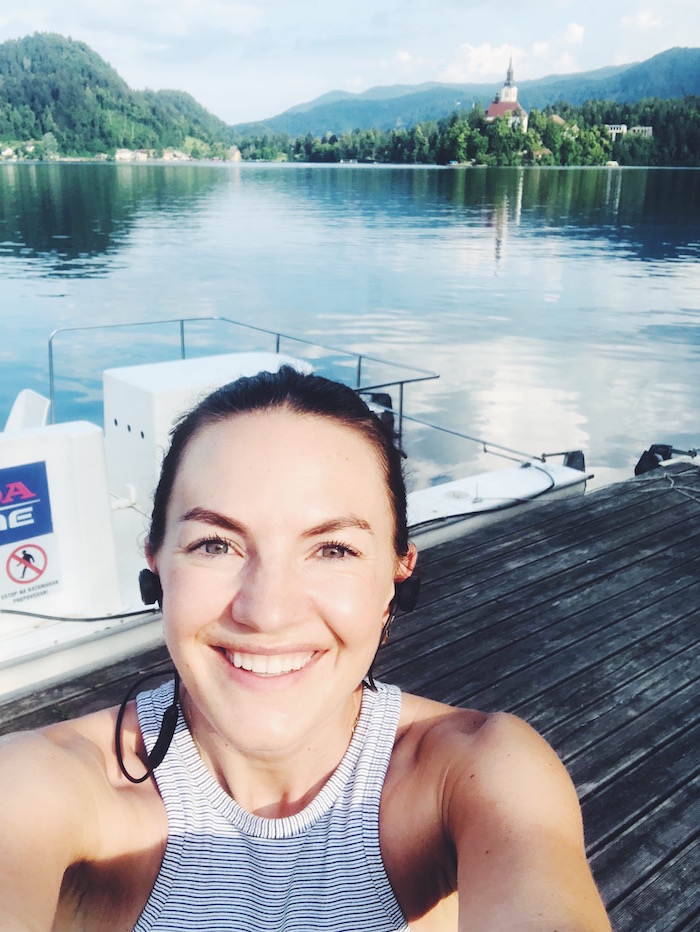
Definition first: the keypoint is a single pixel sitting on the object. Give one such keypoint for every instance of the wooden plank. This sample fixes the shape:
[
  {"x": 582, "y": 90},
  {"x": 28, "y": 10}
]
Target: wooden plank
[
  {"x": 432, "y": 640},
  {"x": 609, "y": 679},
  {"x": 665, "y": 900},
  {"x": 636, "y": 854},
  {"x": 559, "y": 513},
  {"x": 515, "y": 582},
  {"x": 520, "y": 568},
  {"x": 583, "y": 727},
  {"x": 619, "y": 800},
  {"x": 511, "y": 640},
  {"x": 625, "y": 747},
  {"x": 98, "y": 690},
  {"x": 519, "y": 559},
  {"x": 595, "y": 514}
]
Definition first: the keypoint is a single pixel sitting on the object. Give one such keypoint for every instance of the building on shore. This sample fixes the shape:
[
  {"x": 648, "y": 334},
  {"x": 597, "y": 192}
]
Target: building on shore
[
  {"x": 505, "y": 104},
  {"x": 621, "y": 129}
]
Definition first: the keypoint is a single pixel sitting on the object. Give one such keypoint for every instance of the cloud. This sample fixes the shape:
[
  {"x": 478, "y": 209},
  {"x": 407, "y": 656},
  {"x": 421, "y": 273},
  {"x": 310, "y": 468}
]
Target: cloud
[
  {"x": 158, "y": 19},
  {"x": 478, "y": 63},
  {"x": 554, "y": 51},
  {"x": 404, "y": 66},
  {"x": 644, "y": 21},
  {"x": 574, "y": 34},
  {"x": 565, "y": 64},
  {"x": 24, "y": 22}
]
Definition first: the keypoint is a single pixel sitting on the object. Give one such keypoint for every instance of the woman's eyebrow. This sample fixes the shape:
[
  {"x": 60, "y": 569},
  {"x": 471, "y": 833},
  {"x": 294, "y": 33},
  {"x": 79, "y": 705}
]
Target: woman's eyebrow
[
  {"x": 342, "y": 523},
  {"x": 332, "y": 526},
  {"x": 206, "y": 516}
]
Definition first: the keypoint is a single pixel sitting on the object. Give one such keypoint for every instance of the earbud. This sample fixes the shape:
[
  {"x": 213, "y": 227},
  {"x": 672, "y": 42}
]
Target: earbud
[
  {"x": 151, "y": 589},
  {"x": 406, "y": 593}
]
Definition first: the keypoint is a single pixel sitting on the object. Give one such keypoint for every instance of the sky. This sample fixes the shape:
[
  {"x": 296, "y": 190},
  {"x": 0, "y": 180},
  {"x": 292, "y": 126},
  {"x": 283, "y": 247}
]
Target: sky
[{"x": 251, "y": 60}]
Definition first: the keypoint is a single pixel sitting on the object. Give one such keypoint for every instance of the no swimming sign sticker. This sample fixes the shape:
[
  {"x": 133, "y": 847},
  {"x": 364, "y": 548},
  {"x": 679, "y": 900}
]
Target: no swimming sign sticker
[{"x": 26, "y": 564}]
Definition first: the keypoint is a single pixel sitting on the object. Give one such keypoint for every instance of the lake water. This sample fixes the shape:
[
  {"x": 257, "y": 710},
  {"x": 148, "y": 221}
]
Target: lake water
[{"x": 561, "y": 307}]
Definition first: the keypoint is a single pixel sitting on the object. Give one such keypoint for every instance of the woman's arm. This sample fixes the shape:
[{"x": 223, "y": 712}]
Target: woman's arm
[
  {"x": 44, "y": 824},
  {"x": 512, "y": 814}
]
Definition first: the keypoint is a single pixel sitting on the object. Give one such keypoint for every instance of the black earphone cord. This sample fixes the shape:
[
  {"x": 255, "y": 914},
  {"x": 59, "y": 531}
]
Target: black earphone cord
[{"x": 165, "y": 735}]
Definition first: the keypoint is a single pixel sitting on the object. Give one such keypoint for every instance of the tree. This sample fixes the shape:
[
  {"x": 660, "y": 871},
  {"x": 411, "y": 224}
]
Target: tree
[
  {"x": 50, "y": 146},
  {"x": 570, "y": 151},
  {"x": 595, "y": 145},
  {"x": 504, "y": 142},
  {"x": 552, "y": 138}
]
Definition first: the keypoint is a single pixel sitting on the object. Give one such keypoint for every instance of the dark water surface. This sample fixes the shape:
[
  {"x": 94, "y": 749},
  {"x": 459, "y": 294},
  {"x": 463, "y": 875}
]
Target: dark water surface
[{"x": 561, "y": 307}]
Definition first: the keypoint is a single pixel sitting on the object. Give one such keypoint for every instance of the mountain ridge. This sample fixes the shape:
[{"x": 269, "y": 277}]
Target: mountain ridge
[{"x": 669, "y": 74}]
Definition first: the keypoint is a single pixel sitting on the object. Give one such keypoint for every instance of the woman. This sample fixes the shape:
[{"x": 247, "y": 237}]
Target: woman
[{"x": 294, "y": 793}]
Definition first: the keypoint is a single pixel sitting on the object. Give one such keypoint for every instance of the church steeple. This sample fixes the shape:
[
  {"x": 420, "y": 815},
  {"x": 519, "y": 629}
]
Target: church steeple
[{"x": 509, "y": 94}]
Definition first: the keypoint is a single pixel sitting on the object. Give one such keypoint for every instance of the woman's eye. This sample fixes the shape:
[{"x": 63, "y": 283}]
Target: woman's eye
[
  {"x": 336, "y": 551},
  {"x": 215, "y": 547}
]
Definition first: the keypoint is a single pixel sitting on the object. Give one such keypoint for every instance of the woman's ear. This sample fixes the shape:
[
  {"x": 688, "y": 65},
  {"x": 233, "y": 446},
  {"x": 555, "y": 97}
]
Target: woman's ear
[
  {"x": 406, "y": 585},
  {"x": 150, "y": 558},
  {"x": 406, "y": 564}
]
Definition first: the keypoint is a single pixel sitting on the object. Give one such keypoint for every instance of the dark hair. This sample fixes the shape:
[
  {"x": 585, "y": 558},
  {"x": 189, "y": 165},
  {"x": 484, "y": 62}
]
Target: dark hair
[{"x": 303, "y": 394}]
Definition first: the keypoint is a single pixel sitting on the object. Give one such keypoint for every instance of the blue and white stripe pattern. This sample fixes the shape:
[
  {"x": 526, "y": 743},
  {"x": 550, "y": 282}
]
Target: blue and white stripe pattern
[{"x": 226, "y": 870}]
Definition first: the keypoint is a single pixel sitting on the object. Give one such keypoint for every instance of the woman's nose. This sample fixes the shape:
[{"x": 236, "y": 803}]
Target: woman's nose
[{"x": 266, "y": 597}]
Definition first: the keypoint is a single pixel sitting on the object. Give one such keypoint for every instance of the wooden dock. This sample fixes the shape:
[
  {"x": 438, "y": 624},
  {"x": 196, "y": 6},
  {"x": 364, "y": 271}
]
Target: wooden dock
[{"x": 581, "y": 616}]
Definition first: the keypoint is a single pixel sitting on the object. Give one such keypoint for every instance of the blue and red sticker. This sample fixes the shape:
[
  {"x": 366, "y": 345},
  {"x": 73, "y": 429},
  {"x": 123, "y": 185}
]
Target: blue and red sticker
[{"x": 25, "y": 506}]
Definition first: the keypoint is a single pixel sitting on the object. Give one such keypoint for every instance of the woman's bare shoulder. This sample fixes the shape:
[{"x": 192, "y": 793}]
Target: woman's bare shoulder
[
  {"x": 67, "y": 805},
  {"x": 510, "y": 811},
  {"x": 71, "y": 763},
  {"x": 432, "y": 726},
  {"x": 65, "y": 748},
  {"x": 461, "y": 731},
  {"x": 483, "y": 759},
  {"x": 51, "y": 784}
]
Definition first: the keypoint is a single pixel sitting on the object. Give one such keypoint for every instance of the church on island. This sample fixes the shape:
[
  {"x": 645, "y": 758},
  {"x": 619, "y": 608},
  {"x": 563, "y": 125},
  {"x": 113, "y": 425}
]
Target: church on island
[{"x": 506, "y": 103}]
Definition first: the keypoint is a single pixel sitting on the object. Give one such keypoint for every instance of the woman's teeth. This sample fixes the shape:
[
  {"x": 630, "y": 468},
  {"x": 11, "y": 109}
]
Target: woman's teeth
[{"x": 269, "y": 664}]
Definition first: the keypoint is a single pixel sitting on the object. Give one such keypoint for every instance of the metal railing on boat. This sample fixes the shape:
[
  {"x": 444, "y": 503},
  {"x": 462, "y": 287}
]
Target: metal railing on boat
[
  {"x": 360, "y": 361},
  {"x": 345, "y": 365}
]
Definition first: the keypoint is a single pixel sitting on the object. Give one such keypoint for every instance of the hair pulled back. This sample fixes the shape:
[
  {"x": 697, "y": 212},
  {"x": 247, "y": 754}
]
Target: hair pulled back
[{"x": 300, "y": 393}]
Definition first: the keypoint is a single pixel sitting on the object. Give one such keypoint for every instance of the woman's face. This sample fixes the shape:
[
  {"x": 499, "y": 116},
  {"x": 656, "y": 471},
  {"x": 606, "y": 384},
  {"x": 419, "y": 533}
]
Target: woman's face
[{"x": 277, "y": 567}]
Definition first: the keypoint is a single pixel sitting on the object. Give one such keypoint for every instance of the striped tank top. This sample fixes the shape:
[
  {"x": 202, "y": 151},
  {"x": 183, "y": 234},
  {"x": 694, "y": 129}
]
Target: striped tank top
[{"x": 227, "y": 870}]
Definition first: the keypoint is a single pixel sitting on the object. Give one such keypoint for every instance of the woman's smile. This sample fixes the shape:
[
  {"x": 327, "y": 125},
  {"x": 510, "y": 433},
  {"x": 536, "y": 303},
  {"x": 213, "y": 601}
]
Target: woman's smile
[{"x": 269, "y": 664}]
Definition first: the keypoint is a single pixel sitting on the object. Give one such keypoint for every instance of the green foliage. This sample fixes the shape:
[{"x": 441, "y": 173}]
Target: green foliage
[{"x": 675, "y": 125}]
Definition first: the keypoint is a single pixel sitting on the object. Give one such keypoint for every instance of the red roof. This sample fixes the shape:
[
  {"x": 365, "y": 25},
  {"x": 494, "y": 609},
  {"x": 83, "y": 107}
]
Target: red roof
[{"x": 502, "y": 108}]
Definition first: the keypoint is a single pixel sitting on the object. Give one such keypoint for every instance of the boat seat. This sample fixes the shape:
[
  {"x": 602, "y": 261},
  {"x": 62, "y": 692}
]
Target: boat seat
[{"x": 29, "y": 409}]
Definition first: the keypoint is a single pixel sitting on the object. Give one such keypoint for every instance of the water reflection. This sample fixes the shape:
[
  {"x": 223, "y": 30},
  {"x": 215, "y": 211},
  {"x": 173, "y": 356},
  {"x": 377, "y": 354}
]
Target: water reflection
[
  {"x": 73, "y": 211},
  {"x": 69, "y": 215},
  {"x": 653, "y": 211}
]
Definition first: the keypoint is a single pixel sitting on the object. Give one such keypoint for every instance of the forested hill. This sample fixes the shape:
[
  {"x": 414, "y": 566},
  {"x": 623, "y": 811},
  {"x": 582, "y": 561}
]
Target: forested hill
[
  {"x": 53, "y": 85},
  {"x": 671, "y": 74}
]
